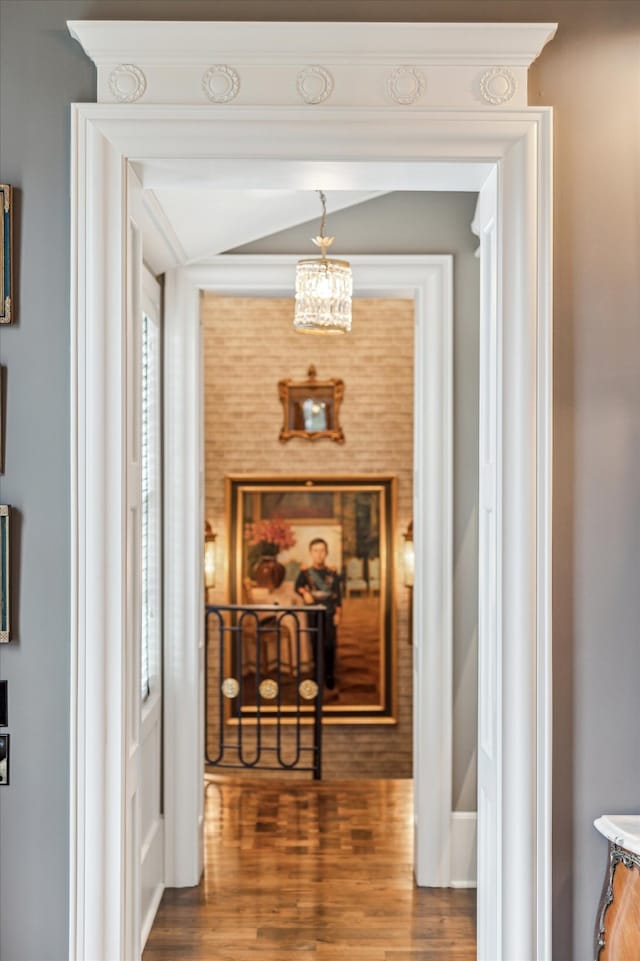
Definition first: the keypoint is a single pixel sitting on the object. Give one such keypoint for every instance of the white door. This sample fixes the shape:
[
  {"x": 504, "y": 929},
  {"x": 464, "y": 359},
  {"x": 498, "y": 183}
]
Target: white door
[
  {"x": 144, "y": 829},
  {"x": 489, "y": 629},
  {"x": 151, "y": 808}
]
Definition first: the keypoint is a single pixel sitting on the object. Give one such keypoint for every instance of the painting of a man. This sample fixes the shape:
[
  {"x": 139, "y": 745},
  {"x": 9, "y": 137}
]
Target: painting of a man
[{"x": 320, "y": 584}]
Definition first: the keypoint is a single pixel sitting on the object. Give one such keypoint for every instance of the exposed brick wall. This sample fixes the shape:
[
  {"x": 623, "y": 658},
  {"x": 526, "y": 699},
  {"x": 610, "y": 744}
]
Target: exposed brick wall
[{"x": 249, "y": 345}]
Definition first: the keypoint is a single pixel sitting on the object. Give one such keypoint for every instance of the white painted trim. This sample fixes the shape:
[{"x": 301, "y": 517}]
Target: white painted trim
[
  {"x": 98, "y": 549},
  {"x": 519, "y": 143},
  {"x": 433, "y": 583},
  {"x": 464, "y": 829},
  {"x": 429, "y": 280},
  {"x": 371, "y": 64},
  {"x": 489, "y": 755},
  {"x": 267, "y": 43},
  {"x": 183, "y": 583},
  {"x": 150, "y": 916},
  {"x": 544, "y": 525}
]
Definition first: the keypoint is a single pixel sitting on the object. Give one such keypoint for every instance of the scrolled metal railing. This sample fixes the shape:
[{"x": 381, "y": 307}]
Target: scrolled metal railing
[{"x": 263, "y": 687}]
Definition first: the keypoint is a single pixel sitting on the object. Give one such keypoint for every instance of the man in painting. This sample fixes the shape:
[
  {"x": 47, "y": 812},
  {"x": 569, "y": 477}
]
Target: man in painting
[{"x": 319, "y": 584}]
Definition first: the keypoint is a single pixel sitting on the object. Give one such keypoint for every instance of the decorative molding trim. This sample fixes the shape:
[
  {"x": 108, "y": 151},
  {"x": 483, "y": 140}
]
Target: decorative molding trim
[
  {"x": 356, "y": 59},
  {"x": 498, "y": 86},
  {"x": 127, "y": 83},
  {"x": 314, "y": 84},
  {"x": 221, "y": 83},
  {"x": 406, "y": 85}
]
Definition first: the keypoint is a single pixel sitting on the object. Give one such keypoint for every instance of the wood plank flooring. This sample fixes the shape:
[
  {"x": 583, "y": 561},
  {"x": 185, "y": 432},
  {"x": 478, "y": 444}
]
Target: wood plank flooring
[{"x": 322, "y": 871}]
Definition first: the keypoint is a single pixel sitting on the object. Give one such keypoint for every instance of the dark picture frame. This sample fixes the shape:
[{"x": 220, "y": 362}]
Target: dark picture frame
[
  {"x": 7, "y": 311},
  {"x": 360, "y": 532},
  {"x": 5, "y": 628}
]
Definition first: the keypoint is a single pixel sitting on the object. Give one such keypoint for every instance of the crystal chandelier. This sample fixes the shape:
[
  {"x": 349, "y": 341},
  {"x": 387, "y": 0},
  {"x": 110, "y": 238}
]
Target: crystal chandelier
[{"x": 323, "y": 289}]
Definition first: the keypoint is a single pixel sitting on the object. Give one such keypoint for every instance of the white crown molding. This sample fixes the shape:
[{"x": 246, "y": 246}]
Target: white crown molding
[{"x": 267, "y": 60}]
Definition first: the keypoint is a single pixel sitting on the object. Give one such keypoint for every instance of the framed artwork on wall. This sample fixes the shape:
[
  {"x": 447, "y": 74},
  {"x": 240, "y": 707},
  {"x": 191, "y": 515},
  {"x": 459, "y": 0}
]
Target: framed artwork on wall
[
  {"x": 7, "y": 313},
  {"x": 4, "y": 574},
  {"x": 276, "y": 518},
  {"x": 311, "y": 408}
]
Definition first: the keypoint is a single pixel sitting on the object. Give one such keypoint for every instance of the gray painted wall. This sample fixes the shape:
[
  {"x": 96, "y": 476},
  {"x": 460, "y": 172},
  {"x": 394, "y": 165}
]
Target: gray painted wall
[
  {"x": 589, "y": 74},
  {"x": 432, "y": 223}
]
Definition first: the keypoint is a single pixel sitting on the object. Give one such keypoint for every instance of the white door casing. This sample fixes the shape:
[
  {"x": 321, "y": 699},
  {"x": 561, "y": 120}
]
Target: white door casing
[
  {"x": 305, "y": 141},
  {"x": 490, "y": 877},
  {"x": 131, "y": 889},
  {"x": 429, "y": 280},
  {"x": 152, "y": 852}
]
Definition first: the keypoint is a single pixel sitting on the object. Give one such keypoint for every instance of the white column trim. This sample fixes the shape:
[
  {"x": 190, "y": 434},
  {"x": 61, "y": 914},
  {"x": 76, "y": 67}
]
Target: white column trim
[
  {"x": 183, "y": 583},
  {"x": 433, "y": 589},
  {"x": 429, "y": 280},
  {"x": 98, "y": 445}
]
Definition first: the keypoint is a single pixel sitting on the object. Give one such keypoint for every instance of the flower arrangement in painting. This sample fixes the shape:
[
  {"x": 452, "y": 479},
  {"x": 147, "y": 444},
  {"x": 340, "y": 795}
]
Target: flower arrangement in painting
[{"x": 269, "y": 537}]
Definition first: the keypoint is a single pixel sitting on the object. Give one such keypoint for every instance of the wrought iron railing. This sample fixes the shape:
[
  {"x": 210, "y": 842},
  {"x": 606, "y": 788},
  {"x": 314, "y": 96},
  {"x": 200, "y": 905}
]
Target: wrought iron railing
[{"x": 263, "y": 683}]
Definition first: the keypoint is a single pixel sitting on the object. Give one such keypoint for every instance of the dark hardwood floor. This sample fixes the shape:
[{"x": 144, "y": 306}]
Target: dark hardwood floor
[{"x": 323, "y": 871}]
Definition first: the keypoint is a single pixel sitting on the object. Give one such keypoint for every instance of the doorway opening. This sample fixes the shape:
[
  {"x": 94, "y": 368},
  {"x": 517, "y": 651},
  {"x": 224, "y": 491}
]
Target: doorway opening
[{"x": 514, "y": 476}]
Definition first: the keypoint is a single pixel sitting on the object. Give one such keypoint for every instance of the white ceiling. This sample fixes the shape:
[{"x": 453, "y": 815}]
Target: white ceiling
[
  {"x": 199, "y": 208},
  {"x": 204, "y": 221}
]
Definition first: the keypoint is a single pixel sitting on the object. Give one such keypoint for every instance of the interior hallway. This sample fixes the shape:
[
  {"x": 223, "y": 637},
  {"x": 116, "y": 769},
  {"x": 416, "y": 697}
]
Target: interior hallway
[{"x": 295, "y": 869}]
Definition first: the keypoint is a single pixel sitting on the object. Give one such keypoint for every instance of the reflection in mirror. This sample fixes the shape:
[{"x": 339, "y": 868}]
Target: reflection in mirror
[{"x": 314, "y": 413}]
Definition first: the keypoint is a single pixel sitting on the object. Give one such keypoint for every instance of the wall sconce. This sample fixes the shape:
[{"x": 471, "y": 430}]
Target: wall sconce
[
  {"x": 409, "y": 556},
  {"x": 209, "y": 556}
]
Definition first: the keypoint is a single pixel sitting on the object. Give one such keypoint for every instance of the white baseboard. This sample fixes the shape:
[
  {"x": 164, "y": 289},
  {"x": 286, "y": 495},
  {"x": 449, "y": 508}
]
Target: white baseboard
[
  {"x": 463, "y": 849},
  {"x": 150, "y": 916}
]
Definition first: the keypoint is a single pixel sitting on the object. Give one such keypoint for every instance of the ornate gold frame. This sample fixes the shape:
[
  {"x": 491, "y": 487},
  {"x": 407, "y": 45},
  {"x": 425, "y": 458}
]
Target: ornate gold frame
[
  {"x": 245, "y": 488},
  {"x": 326, "y": 394}
]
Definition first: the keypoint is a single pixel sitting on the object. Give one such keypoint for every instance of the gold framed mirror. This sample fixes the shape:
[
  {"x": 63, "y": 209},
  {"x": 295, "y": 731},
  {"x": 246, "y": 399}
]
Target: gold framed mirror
[{"x": 311, "y": 408}]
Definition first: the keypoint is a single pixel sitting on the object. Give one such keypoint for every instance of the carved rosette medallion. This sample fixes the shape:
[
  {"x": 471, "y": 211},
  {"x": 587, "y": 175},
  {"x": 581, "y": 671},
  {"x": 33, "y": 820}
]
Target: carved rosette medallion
[
  {"x": 406, "y": 85},
  {"x": 221, "y": 83},
  {"x": 268, "y": 689},
  {"x": 127, "y": 83},
  {"x": 230, "y": 687},
  {"x": 497, "y": 86},
  {"x": 308, "y": 690},
  {"x": 314, "y": 84}
]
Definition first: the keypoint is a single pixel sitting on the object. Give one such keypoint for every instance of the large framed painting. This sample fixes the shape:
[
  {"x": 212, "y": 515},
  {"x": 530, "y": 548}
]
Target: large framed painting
[{"x": 273, "y": 523}]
